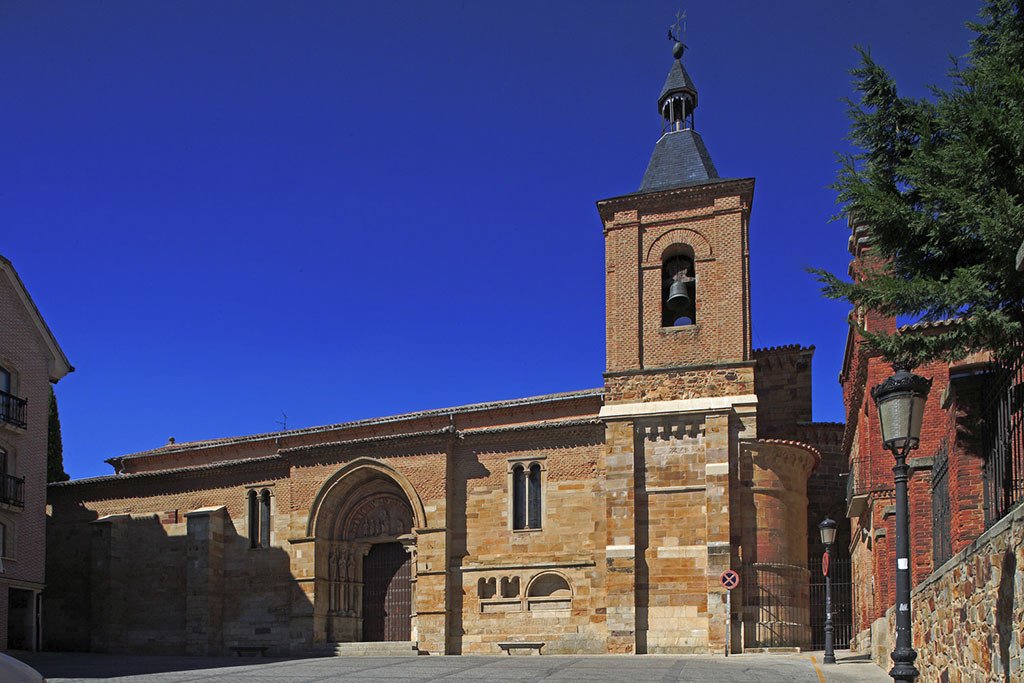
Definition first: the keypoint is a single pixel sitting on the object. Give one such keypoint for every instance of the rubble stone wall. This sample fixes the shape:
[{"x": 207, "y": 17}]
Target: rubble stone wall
[{"x": 968, "y": 616}]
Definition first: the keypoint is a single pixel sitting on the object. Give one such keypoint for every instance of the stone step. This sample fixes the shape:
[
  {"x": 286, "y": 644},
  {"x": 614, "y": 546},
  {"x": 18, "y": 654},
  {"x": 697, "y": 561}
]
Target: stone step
[{"x": 376, "y": 649}]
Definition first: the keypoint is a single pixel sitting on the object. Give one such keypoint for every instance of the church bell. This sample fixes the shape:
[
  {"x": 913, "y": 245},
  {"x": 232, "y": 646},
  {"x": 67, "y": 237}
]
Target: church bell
[{"x": 679, "y": 299}]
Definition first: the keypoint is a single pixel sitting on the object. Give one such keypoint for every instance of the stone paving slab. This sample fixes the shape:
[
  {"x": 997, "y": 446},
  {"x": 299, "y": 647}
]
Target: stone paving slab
[{"x": 749, "y": 668}]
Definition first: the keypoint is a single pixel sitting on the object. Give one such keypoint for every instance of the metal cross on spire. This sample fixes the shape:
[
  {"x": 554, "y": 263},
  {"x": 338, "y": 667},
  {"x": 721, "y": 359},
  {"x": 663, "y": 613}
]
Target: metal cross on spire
[{"x": 673, "y": 35}]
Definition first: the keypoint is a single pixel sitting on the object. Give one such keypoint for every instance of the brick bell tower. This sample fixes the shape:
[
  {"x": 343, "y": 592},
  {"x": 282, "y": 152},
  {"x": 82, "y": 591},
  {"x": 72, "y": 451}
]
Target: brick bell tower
[{"x": 679, "y": 391}]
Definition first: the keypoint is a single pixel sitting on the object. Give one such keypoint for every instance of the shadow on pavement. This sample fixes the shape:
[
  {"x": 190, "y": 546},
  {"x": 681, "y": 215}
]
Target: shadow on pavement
[{"x": 89, "y": 665}]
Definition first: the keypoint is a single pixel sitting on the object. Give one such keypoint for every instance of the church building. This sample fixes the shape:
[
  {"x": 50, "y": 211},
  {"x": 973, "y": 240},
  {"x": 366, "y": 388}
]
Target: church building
[{"x": 597, "y": 521}]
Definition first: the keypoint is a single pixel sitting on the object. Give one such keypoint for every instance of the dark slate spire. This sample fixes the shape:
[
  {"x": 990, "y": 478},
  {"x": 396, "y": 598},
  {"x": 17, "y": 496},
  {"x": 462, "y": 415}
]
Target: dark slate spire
[
  {"x": 678, "y": 82},
  {"x": 680, "y": 158}
]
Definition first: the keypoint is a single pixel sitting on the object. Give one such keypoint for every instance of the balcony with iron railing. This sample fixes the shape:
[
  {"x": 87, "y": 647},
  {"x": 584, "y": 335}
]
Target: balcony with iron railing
[
  {"x": 13, "y": 410},
  {"x": 12, "y": 490},
  {"x": 867, "y": 476}
]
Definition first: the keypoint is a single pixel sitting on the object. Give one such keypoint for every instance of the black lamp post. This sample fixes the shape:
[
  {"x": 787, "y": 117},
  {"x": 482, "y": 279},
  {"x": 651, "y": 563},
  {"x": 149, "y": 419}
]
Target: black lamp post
[
  {"x": 900, "y": 400},
  {"x": 828, "y": 536}
]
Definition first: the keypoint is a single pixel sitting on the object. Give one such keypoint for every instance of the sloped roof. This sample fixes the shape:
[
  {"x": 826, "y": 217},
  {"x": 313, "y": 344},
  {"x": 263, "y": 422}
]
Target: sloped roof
[
  {"x": 58, "y": 365},
  {"x": 679, "y": 159},
  {"x": 677, "y": 80}
]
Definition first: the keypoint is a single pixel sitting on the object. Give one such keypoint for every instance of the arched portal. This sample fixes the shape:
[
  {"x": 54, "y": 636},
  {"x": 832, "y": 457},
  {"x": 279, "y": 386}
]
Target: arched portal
[{"x": 364, "y": 556}]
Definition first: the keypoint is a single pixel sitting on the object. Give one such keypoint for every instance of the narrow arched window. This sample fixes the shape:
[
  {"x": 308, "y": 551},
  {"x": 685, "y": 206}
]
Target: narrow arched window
[
  {"x": 534, "y": 496},
  {"x": 265, "y": 519},
  {"x": 518, "y": 497},
  {"x": 254, "y": 520},
  {"x": 678, "y": 291}
]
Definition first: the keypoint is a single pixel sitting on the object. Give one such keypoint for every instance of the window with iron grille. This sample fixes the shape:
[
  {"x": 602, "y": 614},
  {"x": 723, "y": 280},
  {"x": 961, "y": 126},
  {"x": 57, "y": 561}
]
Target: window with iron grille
[
  {"x": 942, "y": 542},
  {"x": 1003, "y": 437}
]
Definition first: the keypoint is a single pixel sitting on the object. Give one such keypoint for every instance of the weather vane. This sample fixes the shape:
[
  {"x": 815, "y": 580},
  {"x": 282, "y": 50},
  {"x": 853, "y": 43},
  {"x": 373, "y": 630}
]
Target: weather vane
[{"x": 673, "y": 35}]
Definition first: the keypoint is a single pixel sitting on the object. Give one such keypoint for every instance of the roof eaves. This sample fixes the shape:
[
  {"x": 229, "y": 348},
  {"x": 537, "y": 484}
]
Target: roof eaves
[
  {"x": 61, "y": 366},
  {"x": 110, "y": 478},
  {"x": 685, "y": 188},
  {"x": 458, "y": 410}
]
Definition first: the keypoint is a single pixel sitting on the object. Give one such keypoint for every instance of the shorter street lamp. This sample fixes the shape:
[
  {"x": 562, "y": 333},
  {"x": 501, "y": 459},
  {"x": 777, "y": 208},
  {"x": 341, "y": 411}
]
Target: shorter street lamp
[
  {"x": 900, "y": 401},
  {"x": 828, "y": 536}
]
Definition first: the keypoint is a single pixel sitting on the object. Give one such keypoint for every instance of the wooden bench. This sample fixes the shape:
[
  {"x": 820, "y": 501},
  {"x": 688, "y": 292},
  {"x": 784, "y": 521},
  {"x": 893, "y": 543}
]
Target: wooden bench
[
  {"x": 521, "y": 645},
  {"x": 252, "y": 650}
]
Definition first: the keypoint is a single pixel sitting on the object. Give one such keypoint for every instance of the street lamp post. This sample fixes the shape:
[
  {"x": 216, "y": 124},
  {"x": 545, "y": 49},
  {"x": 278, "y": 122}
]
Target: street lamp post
[
  {"x": 828, "y": 536},
  {"x": 900, "y": 401}
]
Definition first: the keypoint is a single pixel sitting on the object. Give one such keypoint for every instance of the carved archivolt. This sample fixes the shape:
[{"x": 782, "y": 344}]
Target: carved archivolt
[{"x": 377, "y": 516}]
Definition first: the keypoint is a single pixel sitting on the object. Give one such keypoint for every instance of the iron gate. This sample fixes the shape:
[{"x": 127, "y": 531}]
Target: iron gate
[
  {"x": 775, "y": 605},
  {"x": 779, "y": 614},
  {"x": 842, "y": 603}
]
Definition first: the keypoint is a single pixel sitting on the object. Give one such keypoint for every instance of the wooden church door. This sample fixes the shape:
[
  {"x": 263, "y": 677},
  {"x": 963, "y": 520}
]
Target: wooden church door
[{"x": 387, "y": 593}]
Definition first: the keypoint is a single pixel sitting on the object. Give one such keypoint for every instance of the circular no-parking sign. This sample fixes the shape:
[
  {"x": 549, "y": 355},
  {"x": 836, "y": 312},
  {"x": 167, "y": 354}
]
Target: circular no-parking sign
[
  {"x": 824, "y": 564},
  {"x": 729, "y": 579}
]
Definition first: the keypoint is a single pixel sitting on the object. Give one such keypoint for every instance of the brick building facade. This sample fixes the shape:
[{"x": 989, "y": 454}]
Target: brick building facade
[
  {"x": 29, "y": 360},
  {"x": 595, "y": 521},
  {"x": 946, "y": 490}
]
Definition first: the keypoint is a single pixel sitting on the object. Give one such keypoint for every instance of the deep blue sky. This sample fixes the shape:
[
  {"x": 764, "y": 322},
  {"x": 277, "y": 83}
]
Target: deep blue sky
[{"x": 226, "y": 210}]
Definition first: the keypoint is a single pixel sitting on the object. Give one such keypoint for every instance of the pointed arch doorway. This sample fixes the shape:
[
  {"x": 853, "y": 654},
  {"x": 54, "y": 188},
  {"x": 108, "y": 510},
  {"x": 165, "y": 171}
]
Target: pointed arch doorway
[{"x": 365, "y": 569}]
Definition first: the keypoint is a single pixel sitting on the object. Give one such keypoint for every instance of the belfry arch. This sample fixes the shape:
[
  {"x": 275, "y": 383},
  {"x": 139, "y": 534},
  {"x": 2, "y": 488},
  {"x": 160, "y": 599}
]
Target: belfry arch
[{"x": 362, "y": 521}]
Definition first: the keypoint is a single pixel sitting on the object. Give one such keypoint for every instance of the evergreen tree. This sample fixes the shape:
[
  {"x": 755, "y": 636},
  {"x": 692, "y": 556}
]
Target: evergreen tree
[
  {"x": 54, "y": 445},
  {"x": 939, "y": 185}
]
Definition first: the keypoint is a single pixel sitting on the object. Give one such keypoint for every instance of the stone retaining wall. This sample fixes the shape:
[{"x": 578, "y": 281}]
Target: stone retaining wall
[{"x": 968, "y": 616}]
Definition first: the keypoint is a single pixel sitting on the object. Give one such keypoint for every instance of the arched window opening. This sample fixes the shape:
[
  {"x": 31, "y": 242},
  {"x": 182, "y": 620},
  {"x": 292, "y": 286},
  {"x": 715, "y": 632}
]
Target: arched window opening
[
  {"x": 678, "y": 291},
  {"x": 549, "y": 591},
  {"x": 485, "y": 588},
  {"x": 265, "y": 519},
  {"x": 518, "y": 497},
  {"x": 550, "y": 586},
  {"x": 534, "y": 497},
  {"x": 254, "y": 520},
  {"x": 510, "y": 587}
]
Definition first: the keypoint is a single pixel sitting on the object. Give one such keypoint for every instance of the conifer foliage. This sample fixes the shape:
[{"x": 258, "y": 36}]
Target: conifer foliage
[
  {"x": 54, "y": 445},
  {"x": 938, "y": 184}
]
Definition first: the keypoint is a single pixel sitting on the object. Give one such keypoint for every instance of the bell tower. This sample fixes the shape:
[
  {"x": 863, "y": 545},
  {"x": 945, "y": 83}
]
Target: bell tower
[
  {"x": 679, "y": 389},
  {"x": 677, "y": 255}
]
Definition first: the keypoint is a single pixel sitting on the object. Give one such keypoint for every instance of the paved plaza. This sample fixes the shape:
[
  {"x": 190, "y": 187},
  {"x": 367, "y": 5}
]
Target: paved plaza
[{"x": 787, "y": 668}]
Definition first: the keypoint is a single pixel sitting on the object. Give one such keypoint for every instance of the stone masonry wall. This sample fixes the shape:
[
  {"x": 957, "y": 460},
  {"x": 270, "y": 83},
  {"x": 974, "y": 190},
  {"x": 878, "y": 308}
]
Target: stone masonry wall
[
  {"x": 968, "y": 616},
  {"x": 733, "y": 379},
  {"x": 531, "y": 584},
  {"x": 782, "y": 382}
]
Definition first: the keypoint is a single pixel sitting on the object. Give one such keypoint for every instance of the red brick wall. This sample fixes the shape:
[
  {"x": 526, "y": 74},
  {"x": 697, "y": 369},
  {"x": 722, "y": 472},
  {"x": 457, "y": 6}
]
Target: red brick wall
[
  {"x": 713, "y": 221},
  {"x": 23, "y": 354}
]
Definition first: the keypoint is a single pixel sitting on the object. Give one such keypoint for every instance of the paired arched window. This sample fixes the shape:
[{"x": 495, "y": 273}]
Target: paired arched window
[
  {"x": 526, "y": 496},
  {"x": 259, "y": 519},
  {"x": 678, "y": 289}
]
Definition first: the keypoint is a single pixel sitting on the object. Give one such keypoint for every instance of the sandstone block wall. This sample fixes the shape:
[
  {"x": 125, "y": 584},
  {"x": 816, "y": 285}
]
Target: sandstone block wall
[{"x": 484, "y": 546}]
